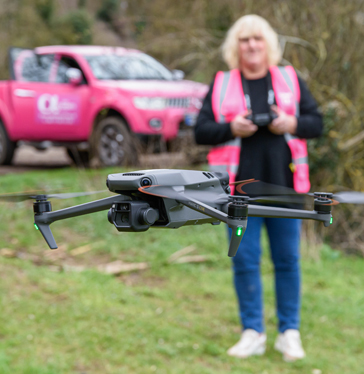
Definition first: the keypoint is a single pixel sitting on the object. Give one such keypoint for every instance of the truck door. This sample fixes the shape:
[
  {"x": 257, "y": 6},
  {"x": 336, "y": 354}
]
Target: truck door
[
  {"x": 45, "y": 108},
  {"x": 30, "y": 76},
  {"x": 74, "y": 100}
]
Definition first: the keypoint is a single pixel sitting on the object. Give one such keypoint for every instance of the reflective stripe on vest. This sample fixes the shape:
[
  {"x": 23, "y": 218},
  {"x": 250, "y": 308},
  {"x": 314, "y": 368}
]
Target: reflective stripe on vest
[
  {"x": 228, "y": 100},
  {"x": 226, "y": 156}
]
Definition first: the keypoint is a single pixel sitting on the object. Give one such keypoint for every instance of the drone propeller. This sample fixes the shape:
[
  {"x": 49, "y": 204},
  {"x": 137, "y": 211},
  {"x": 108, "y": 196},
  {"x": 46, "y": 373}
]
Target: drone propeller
[
  {"x": 270, "y": 193},
  {"x": 259, "y": 192},
  {"x": 349, "y": 197},
  {"x": 36, "y": 195},
  {"x": 248, "y": 187},
  {"x": 240, "y": 184},
  {"x": 290, "y": 199}
]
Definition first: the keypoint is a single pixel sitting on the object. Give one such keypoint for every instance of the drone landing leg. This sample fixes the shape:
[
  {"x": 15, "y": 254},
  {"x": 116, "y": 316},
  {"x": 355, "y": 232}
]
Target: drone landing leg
[
  {"x": 236, "y": 236},
  {"x": 236, "y": 220},
  {"x": 47, "y": 235},
  {"x": 43, "y": 220}
]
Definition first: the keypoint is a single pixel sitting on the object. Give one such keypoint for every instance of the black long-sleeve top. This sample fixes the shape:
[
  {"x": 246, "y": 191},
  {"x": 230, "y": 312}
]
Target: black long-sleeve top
[{"x": 264, "y": 155}]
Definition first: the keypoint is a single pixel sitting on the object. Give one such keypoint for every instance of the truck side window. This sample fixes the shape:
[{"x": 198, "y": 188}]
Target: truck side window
[
  {"x": 63, "y": 65},
  {"x": 36, "y": 68}
]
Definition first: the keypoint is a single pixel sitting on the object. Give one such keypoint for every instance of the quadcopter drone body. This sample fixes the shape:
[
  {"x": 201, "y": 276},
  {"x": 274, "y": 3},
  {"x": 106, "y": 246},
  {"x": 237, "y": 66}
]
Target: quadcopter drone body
[{"x": 174, "y": 198}]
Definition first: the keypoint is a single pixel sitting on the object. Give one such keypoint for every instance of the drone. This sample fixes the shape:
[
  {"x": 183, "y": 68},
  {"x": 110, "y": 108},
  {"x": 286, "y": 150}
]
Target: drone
[{"x": 169, "y": 198}]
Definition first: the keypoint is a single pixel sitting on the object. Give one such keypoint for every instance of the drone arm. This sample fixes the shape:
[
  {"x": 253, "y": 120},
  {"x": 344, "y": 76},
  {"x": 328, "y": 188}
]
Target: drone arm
[
  {"x": 276, "y": 212},
  {"x": 78, "y": 210},
  {"x": 43, "y": 220},
  {"x": 238, "y": 226}
]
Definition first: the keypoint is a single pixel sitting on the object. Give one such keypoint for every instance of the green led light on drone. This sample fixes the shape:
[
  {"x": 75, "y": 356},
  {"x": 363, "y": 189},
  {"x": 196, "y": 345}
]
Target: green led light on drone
[
  {"x": 239, "y": 231},
  {"x": 331, "y": 220},
  {"x": 35, "y": 225}
]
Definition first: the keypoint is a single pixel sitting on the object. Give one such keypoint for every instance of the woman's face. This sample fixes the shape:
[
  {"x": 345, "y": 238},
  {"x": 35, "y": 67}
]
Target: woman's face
[{"x": 253, "y": 52}]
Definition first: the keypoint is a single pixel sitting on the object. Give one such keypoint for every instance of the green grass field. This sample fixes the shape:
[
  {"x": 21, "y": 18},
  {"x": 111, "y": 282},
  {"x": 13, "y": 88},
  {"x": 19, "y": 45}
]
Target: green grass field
[{"x": 171, "y": 318}]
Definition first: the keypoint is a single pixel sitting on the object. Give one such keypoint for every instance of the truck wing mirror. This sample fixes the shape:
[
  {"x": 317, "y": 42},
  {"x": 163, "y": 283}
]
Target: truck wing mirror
[
  {"x": 74, "y": 76},
  {"x": 178, "y": 75}
]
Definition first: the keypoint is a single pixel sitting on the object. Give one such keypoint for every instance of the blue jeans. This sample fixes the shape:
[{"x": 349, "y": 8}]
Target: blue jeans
[{"x": 284, "y": 238}]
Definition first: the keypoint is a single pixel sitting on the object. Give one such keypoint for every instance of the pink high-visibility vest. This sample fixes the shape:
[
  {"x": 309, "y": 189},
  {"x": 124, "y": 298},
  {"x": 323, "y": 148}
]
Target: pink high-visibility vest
[{"x": 228, "y": 100}]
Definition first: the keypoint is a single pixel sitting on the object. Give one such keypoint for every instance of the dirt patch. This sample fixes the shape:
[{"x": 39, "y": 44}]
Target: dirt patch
[
  {"x": 28, "y": 158},
  {"x": 141, "y": 279}
]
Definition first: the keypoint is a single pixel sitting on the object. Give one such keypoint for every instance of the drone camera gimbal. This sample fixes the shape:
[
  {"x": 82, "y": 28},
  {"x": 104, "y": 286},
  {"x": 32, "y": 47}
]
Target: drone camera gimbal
[{"x": 133, "y": 216}]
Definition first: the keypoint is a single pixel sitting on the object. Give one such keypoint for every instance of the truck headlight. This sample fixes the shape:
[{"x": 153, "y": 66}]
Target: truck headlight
[{"x": 151, "y": 103}]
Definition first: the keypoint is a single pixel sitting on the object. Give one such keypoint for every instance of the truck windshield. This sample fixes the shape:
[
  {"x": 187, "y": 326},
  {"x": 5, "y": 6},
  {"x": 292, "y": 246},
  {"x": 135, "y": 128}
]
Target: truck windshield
[{"x": 132, "y": 66}]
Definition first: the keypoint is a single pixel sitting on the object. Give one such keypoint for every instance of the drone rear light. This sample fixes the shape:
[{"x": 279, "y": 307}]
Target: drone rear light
[{"x": 239, "y": 231}]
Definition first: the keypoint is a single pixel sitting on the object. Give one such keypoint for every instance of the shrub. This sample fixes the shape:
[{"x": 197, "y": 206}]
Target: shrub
[{"x": 74, "y": 28}]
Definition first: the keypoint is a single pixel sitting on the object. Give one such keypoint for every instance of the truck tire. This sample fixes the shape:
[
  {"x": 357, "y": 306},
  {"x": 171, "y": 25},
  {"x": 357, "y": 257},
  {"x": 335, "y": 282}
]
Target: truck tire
[
  {"x": 112, "y": 144},
  {"x": 7, "y": 147}
]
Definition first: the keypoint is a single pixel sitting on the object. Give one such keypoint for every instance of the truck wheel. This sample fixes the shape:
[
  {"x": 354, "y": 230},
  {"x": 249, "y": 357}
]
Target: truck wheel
[
  {"x": 112, "y": 144},
  {"x": 7, "y": 147}
]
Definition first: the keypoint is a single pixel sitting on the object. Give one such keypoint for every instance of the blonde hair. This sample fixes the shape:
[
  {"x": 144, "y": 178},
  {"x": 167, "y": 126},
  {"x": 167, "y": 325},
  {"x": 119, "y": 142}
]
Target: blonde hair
[{"x": 246, "y": 26}]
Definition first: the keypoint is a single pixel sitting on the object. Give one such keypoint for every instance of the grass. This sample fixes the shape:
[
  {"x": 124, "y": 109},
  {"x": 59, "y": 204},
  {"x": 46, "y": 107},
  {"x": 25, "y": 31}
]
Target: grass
[{"x": 167, "y": 319}]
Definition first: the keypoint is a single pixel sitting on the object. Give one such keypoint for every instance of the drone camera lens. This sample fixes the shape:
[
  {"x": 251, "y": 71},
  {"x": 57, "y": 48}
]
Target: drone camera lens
[{"x": 145, "y": 182}]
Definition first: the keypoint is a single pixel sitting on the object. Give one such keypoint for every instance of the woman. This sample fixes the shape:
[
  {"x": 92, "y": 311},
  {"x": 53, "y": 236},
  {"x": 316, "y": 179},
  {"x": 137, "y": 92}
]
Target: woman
[{"x": 273, "y": 152}]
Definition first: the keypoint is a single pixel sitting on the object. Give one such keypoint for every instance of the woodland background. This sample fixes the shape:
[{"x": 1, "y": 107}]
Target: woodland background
[{"x": 321, "y": 39}]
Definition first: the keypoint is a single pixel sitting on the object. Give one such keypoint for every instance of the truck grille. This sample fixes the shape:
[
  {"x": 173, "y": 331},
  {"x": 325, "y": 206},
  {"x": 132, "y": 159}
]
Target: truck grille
[{"x": 178, "y": 102}]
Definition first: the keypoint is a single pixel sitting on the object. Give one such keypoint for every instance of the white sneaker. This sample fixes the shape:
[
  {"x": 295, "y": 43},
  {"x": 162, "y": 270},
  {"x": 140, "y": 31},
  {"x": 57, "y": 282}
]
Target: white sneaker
[
  {"x": 289, "y": 343},
  {"x": 251, "y": 343}
]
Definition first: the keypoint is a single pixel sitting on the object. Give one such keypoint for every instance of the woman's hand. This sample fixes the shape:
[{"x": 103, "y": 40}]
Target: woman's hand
[
  {"x": 243, "y": 127},
  {"x": 283, "y": 123}
]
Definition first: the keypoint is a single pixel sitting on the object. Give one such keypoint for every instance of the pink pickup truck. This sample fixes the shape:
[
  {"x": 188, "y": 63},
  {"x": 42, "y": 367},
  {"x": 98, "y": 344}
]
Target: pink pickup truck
[{"x": 96, "y": 101}]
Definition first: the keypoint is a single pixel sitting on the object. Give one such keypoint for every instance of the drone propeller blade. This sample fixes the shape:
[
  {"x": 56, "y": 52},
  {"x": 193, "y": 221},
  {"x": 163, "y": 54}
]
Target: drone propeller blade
[
  {"x": 290, "y": 199},
  {"x": 37, "y": 194},
  {"x": 262, "y": 192},
  {"x": 73, "y": 194},
  {"x": 270, "y": 193},
  {"x": 19, "y": 196},
  {"x": 260, "y": 188},
  {"x": 258, "y": 192},
  {"x": 240, "y": 184},
  {"x": 349, "y": 197}
]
